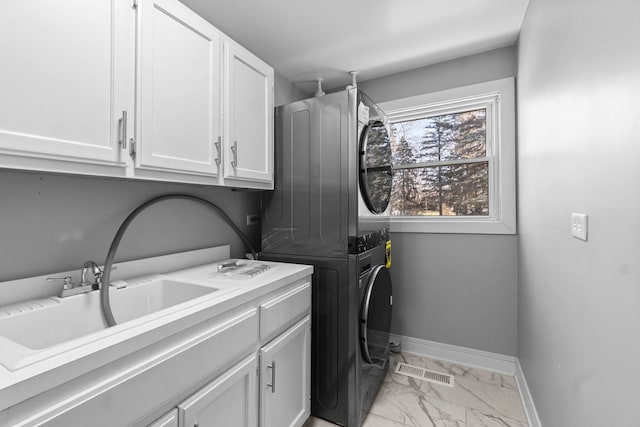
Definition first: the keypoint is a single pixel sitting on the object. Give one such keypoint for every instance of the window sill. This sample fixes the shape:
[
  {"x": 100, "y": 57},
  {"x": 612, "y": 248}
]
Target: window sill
[{"x": 451, "y": 225}]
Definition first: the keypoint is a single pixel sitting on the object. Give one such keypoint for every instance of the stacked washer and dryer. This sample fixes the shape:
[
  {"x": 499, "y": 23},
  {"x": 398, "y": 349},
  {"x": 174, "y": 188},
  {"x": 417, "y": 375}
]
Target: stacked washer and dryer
[{"x": 330, "y": 209}]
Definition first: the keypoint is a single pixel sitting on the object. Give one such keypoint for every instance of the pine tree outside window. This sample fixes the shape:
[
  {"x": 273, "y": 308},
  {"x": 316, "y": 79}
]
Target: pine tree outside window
[
  {"x": 441, "y": 167},
  {"x": 454, "y": 160}
]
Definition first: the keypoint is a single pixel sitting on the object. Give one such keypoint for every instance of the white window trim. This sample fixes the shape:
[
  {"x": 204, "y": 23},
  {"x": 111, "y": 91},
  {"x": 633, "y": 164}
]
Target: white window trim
[{"x": 502, "y": 217}]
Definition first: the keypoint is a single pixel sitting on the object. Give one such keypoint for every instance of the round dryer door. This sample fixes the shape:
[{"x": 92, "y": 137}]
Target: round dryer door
[
  {"x": 375, "y": 166},
  {"x": 376, "y": 317}
]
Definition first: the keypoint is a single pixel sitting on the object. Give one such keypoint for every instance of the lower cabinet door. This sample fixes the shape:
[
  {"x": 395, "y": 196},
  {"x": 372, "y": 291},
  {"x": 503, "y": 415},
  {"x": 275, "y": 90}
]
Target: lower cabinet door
[
  {"x": 170, "y": 419},
  {"x": 285, "y": 373},
  {"x": 229, "y": 400}
]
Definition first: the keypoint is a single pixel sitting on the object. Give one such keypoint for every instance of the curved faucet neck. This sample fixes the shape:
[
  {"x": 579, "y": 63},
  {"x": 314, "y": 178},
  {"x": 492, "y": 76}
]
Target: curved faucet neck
[{"x": 95, "y": 269}]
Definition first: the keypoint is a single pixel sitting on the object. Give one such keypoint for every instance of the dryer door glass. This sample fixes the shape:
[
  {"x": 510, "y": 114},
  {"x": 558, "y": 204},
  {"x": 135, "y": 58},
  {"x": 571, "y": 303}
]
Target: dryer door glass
[
  {"x": 375, "y": 166},
  {"x": 376, "y": 317}
]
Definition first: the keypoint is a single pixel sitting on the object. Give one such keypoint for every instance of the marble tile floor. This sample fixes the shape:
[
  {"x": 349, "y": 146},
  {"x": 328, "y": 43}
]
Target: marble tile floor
[{"x": 478, "y": 398}]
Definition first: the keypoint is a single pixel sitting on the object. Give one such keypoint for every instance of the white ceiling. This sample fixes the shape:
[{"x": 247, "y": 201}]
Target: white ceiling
[{"x": 306, "y": 40}]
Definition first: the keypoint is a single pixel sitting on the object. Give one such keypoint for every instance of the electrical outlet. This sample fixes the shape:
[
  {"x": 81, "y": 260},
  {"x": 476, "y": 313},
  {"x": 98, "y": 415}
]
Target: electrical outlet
[
  {"x": 253, "y": 219},
  {"x": 579, "y": 225}
]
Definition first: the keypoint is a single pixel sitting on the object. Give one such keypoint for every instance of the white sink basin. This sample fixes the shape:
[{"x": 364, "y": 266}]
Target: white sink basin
[{"x": 41, "y": 324}]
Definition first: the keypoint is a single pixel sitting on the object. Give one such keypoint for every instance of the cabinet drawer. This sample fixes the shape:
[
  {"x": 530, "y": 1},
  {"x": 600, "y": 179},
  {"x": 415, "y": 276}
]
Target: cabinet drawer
[
  {"x": 149, "y": 383},
  {"x": 283, "y": 310}
]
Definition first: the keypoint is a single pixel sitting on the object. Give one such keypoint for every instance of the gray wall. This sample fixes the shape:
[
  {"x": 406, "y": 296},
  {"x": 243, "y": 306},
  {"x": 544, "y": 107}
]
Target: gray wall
[
  {"x": 455, "y": 289},
  {"x": 286, "y": 91},
  {"x": 491, "y": 65},
  {"x": 579, "y": 122},
  {"x": 54, "y": 222}
]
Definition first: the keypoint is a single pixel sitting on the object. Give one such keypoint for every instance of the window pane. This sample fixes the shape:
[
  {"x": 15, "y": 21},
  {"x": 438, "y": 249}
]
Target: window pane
[
  {"x": 455, "y": 190},
  {"x": 440, "y": 138},
  {"x": 407, "y": 197}
]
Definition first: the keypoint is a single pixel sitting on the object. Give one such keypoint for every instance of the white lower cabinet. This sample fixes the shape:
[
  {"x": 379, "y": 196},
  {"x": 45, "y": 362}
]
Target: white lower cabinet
[
  {"x": 126, "y": 391},
  {"x": 285, "y": 372},
  {"x": 229, "y": 400},
  {"x": 168, "y": 420},
  {"x": 256, "y": 359}
]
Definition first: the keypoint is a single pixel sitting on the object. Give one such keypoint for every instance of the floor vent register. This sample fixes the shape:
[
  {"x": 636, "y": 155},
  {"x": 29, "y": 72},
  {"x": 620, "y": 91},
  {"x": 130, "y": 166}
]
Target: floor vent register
[{"x": 424, "y": 374}]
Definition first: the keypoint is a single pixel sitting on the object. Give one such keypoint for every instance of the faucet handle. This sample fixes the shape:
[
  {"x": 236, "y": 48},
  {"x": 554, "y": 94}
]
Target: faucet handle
[
  {"x": 99, "y": 274},
  {"x": 96, "y": 271},
  {"x": 66, "y": 284}
]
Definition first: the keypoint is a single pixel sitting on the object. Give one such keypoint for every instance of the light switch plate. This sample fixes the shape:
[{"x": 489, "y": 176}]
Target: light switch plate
[{"x": 579, "y": 225}]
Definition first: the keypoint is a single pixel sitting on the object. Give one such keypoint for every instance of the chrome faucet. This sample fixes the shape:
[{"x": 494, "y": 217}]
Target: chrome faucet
[
  {"x": 97, "y": 274},
  {"x": 69, "y": 289}
]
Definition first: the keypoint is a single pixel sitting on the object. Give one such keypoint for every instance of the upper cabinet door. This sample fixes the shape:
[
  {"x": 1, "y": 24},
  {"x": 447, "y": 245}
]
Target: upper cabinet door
[
  {"x": 249, "y": 141},
  {"x": 179, "y": 90},
  {"x": 66, "y": 77}
]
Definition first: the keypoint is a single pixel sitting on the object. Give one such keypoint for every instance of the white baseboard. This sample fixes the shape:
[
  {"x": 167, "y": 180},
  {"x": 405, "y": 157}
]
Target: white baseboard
[
  {"x": 527, "y": 400},
  {"x": 462, "y": 355},
  {"x": 494, "y": 362}
]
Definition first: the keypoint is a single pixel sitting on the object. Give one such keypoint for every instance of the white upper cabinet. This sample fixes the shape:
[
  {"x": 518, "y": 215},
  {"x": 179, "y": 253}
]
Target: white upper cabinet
[
  {"x": 179, "y": 90},
  {"x": 65, "y": 80},
  {"x": 249, "y": 117},
  {"x": 131, "y": 88}
]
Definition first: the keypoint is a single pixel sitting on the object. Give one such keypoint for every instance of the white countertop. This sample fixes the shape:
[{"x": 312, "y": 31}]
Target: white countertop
[{"x": 44, "y": 369}]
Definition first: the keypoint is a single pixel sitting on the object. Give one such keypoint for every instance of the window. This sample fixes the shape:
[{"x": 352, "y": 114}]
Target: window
[
  {"x": 454, "y": 160},
  {"x": 441, "y": 166}
]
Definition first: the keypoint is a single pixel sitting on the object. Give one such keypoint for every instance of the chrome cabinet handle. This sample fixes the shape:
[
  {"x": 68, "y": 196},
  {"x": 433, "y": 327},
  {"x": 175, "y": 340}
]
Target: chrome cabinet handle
[
  {"x": 122, "y": 130},
  {"x": 217, "y": 144},
  {"x": 273, "y": 376},
  {"x": 234, "y": 150}
]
